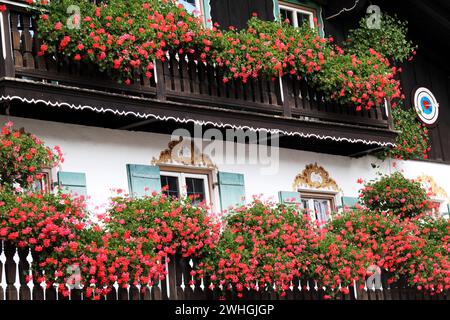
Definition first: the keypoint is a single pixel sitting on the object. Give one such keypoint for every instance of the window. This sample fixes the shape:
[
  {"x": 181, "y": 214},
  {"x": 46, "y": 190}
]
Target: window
[
  {"x": 297, "y": 15},
  {"x": 437, "y": 204},
  {"x": 318, "y": 205},
  {"x": 43, "y": 184},
  {"x": 191, "y": 184},
  {"x": 192, "y": 6}
]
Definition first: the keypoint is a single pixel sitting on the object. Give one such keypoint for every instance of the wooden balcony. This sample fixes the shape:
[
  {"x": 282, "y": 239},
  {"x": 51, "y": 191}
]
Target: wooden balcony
[{"x": 181, "y": 88}]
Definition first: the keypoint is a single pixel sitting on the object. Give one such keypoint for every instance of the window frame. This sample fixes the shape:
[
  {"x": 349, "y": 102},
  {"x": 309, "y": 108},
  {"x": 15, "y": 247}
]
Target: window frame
[
  {"x": 46, "y": 181},
  {"x": 184, "y": 172},
  {"x": 199, "y": 5},
  {"x": 296, "y": 8},
  {"x": 317, "y": 195},
  {"x": 439, "y": 202}
]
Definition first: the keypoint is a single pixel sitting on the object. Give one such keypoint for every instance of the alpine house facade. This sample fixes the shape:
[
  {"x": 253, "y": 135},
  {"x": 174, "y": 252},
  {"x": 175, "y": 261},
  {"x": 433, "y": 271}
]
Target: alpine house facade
[{"x": 226, "y": 142}]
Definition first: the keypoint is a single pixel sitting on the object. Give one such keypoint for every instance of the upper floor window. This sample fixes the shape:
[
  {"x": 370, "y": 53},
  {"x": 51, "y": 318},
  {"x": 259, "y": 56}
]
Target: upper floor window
[
  {"x": 297, "y": 15},
  {"x": 192, "y": 6}
]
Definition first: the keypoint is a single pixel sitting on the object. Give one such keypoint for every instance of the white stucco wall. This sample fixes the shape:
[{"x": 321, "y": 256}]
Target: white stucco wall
[{"x": 103, "y": 153}]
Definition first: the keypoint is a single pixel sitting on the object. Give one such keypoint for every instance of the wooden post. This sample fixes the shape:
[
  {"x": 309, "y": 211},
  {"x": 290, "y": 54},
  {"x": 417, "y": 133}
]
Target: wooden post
[
  {"x": 6, "y": 55},
  {"x": 12, "y": 292},
  {"x": 159, "y": 77},
  {"x": 284, "y": 95},
  {"x": 23, "y": 270},
  {"x": 172, "y": 278}
]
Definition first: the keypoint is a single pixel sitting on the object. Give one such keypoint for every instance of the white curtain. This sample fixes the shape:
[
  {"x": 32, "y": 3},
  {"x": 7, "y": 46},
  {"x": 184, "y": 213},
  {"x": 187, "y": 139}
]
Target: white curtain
[{"x": 321, "y": 208}]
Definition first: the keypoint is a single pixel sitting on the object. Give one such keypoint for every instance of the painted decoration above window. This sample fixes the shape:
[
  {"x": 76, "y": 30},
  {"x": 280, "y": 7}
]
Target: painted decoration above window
[
  {"x": 184, "y": 152},
  {"x": 315, "y": 177},
  {"x": 426, "y": 106},
  {"x": 435, "y": 191}
]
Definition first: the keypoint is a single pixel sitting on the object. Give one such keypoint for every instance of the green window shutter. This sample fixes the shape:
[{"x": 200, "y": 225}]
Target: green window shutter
[
  {"x": 289, "y": 197},
  {"x": 231, "y": 189},
  {"x": 349, "y": 202},
  {"x": 72, "y": 182},
  {"x": 143, "y": 179}
]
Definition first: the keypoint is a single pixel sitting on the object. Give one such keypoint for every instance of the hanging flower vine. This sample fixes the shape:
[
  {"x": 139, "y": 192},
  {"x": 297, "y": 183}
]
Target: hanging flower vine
[{"x": 413, "y": 141}]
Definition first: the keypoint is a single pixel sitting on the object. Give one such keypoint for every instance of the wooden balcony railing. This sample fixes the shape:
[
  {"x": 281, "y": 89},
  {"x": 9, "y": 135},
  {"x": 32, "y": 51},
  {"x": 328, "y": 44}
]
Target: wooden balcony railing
[
  {"x": 180, "y": 78},
  {"x": 180, "y": 285}
]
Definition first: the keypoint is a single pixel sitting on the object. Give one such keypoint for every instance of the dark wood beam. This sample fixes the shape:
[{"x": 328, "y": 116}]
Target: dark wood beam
[{"x": 137, "y": 124}]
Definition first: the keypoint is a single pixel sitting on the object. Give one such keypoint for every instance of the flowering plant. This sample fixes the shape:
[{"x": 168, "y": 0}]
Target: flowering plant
[
  {"x": 122, "y": 37},
  {"x": 48, "y": 224},
  {"x": 395, "y": 194},
  {"x": 158, "y": 227},
  {"x": 130, "y": 246},
  {"x": 262, "y": 245},
  {"x": 40, "y": 221},
  {"x": 23, "y": 156},
  {"x": 431, "y": 269},
  {"x": 413, "y": 141},
  {"x": 125, "y": 39},
  {"x": 357, "y": 240},
  {"x": 364, "y": 80},
  {"x": 390, "y": 39}
]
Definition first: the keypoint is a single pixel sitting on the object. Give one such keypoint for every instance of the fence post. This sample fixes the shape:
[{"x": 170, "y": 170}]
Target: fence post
[
  {"x": 6, "y": 55},
  {"x": 2, "y": 271},
  {"x": 172, "y": 277}
]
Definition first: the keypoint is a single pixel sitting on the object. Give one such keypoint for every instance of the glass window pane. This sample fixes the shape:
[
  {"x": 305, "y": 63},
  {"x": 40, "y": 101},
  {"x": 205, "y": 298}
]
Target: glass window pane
[
  {"x": 322, "y": 211},
  {"x": 303, "y": 18},
  {"x": 41, "y": 185},
  {"x": 172, "y": 184},
  {"x": 287, "y": 14},
  {"x": 196, "y": 189},
  {"x": 305, "y": 204},
  {"x": 189, "y": 5},
  {"x": 37, "y": 186}
]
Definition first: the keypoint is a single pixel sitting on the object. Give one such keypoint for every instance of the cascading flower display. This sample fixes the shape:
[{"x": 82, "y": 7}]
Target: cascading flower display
[
  {"x": 123, "y": 38},
  {"x": 262, "y": 245},
  {"x": 259, "y": 246},
  {"x": 413, "y": 141},
  {"x": 40, "y": 221},
  {"x": 126, "y": 38},
  {"x": 430, "y": 269},
  {"x": 130, "y": 245},
  {"x": 359, "y": 241},
  {"x": 397, "y": 195},
  {"x": 48, "y": 224},
  {"x": 23, "y": 156},
  {"x": 157, "y": 227}
]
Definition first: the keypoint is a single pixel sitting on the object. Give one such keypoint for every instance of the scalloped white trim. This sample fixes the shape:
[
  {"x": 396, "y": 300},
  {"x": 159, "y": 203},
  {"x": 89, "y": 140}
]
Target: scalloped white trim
[{"x": 197, "y": 122}]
